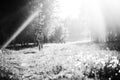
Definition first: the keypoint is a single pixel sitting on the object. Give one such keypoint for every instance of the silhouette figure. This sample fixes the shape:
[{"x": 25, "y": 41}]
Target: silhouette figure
[{"x": 40, "y": 39}]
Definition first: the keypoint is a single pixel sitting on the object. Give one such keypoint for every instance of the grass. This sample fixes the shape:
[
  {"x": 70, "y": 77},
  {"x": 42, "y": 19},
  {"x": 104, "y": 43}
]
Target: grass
[{"x": 60, "y": 62}]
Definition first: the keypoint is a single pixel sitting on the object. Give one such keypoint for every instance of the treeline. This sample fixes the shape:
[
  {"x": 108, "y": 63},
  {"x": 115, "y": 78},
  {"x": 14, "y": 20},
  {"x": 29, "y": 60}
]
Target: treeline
[{"x": 46, "y": 22}]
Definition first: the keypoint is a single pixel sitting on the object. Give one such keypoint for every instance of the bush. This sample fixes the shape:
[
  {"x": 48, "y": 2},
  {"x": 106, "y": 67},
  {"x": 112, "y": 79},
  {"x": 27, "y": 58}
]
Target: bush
[{"x": 59, "y": 35}]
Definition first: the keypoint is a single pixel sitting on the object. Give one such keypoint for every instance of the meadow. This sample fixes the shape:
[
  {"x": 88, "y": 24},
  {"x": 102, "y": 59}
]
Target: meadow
[{"x": 84, "y": 61}]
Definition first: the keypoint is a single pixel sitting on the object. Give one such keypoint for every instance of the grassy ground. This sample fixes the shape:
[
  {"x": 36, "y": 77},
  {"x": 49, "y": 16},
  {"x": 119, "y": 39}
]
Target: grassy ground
[{"x": 60, "y": 62}]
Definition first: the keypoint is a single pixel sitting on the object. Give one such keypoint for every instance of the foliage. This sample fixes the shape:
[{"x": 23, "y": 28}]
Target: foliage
[
  {"x": 49, "y": 24},
  {"x": 58, "y": 34},
  {"x": 60, "y": 62}
]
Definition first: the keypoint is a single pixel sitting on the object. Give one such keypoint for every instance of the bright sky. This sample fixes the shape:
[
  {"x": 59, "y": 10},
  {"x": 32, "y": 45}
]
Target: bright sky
[
  {"x": 89, "y": 15},
  {"x": 69, "y": 8}
]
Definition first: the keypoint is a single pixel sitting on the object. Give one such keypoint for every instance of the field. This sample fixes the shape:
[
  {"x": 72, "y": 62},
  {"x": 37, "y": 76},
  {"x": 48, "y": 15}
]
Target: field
[{"x": 83, "y": 61}]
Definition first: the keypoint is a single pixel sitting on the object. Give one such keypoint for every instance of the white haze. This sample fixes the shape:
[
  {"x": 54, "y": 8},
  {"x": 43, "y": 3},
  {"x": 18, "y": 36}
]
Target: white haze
[
  {"x": 84, "y": 18},
  {"x": 95, "y": 18}
]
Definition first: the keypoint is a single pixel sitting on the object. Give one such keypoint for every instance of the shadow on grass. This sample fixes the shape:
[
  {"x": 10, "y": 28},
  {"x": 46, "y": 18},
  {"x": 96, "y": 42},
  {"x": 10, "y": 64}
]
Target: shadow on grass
[
  {"x": 21, "y": 47},
  {"x": 111, "y": 45},
  {"x": 114, "y": 45}
]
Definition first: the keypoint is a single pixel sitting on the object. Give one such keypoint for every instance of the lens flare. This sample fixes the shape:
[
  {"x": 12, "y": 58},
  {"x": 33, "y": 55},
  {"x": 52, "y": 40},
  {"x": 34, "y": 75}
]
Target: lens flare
[{"x": 21, "y": 28}]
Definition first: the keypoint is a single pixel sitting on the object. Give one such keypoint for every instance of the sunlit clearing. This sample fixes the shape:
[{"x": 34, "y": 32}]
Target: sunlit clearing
[
  {"x": 21, "y": 28},
  {"x": 69, "y": 8}
]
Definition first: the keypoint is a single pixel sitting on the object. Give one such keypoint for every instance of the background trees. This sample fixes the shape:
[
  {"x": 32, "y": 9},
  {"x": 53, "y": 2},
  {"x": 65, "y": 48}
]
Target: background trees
[{"x": 49, "y": 23}]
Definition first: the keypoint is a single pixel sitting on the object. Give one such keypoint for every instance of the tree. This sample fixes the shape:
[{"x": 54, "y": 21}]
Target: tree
[
  {"x": 58, "y": 34},
  {"x": 49, "y": 24}
]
